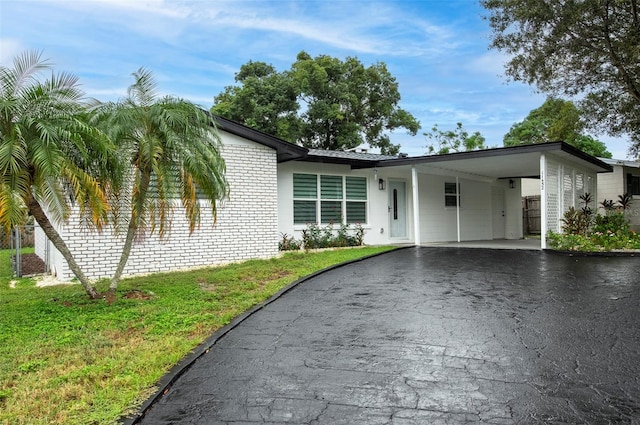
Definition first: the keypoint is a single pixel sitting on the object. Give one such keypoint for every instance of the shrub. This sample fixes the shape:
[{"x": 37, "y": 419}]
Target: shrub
[
  {"x": 570, "y": 242},
  {"x": 576, "y": 222},
  {"x": 624, "y": 201},
  {"x": 314, "y": 236},
  {"x": 613, "y": 221},
  {"x": 583, "y": 232},
  {"x": 288, "y": 243}
]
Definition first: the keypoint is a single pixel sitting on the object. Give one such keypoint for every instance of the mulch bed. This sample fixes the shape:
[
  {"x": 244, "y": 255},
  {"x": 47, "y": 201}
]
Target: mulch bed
[{"x": 32, "y": 264}]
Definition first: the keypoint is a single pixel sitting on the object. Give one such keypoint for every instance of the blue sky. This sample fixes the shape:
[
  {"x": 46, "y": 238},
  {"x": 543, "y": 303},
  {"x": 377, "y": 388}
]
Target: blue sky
[{"x": 437, "y": 50}]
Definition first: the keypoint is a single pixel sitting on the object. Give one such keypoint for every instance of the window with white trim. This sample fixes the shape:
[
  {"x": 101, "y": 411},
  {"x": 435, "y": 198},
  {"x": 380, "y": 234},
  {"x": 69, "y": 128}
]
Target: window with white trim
[
  {"x": 329, "y": 199},
  {"x": 451, "y": 194}
]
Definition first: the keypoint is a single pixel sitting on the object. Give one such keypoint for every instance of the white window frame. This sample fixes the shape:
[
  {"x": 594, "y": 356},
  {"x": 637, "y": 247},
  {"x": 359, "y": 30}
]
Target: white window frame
[
  {"x": 455, "y": 195},
  {"x": 343, "y": 201}
]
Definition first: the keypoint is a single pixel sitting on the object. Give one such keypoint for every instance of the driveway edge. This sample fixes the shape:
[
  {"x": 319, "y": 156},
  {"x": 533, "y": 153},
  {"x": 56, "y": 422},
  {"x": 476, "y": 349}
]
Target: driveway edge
[
  {"x": 627, "y": 253},
  {"x": 183, "y": 365}
]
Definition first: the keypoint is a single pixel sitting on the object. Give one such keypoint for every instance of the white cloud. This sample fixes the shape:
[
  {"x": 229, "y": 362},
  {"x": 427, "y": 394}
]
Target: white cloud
[
  {"x": 381, "y": 30},
  {"x": 9, "y": 49},
  {"x": 143, "y": 8},
  {"x": 490, "y": 63}
]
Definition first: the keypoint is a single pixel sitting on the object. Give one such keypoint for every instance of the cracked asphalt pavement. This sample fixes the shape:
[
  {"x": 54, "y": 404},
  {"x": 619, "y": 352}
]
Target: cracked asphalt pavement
[{"x": 430, "y": 336}]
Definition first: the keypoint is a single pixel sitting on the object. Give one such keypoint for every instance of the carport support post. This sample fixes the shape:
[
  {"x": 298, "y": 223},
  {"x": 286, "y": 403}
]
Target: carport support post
[
  {"x": 458, "y": 207},
  {"x": 416, "y": 205},
  {"x": 543, "y": 202}
]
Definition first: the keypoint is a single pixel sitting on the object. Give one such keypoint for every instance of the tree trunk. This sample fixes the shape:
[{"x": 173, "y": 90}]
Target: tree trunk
[
  {"x": 136, "y": 212},
  {"x": 39, "y": 215}
]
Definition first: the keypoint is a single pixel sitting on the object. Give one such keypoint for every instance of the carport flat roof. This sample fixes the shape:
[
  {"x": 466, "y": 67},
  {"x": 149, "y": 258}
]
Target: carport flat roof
[{"x": 510, "y": 162}]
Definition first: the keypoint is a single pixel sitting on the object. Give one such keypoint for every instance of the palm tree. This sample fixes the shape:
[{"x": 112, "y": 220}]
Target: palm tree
[
  {"x": 169, "y": 150},
  {"x": 48, "y": 154}
]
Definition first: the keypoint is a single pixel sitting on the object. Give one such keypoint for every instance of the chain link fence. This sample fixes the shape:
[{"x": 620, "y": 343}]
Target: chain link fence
[{"x": 22, "y": 242}]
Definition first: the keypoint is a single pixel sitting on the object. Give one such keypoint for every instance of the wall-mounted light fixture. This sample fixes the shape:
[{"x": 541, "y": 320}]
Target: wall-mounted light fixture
[
  {"x": 512, "y": 184},
  {"x": 381, "y": 184}
]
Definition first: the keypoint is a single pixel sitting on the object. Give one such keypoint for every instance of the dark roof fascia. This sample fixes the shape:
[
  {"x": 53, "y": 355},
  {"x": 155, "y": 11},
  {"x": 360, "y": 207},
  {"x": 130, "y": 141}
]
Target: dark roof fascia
[
  {"x": 354, "y": 163},
  {"x": 586, "y": 157},
  {"x": 285, "y": 151},
  {"x": 485, "y": 153}
]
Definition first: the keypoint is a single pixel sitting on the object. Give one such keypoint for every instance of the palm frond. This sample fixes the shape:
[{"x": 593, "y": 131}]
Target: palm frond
[
  {"x": 50, "y": 193},
  {"x": 88, "y": 194},
  {"x": 13, "y": 155},
  {"x": 12, "y": 208},
  {"x": 170, "y": 142},
  {"x": 143, "y": 91},
  {"x": 26, "y": 67}
]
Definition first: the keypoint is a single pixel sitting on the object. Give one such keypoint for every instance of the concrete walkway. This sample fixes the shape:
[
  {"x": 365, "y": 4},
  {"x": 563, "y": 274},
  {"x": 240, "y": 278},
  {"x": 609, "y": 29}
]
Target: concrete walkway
[
  {"x": 430, "y": 336},
  {"x": 528, "y": 244}
]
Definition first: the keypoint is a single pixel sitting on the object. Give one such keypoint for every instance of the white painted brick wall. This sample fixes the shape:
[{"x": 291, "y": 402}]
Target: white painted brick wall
[
  {"x": 246, "y": 227},
  {"x": 611, "y": 185}
]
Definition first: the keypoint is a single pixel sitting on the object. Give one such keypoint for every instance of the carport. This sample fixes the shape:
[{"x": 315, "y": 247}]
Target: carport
[{"x": 565, "y": 173}]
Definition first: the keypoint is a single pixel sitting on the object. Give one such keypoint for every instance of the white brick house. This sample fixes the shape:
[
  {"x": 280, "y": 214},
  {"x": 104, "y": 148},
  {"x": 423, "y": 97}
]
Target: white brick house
[
  {"x": 277, "y": 187},
  {"x": 246, "y": 226}
]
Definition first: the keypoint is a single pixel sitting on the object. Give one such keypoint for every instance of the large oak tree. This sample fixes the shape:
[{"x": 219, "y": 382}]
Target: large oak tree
[
  {"x": 556, "y": 119},
  {"x": 451, "y": 141},
  {"x": 588, "y": 49},
  {"x": 321, "y": 102}
]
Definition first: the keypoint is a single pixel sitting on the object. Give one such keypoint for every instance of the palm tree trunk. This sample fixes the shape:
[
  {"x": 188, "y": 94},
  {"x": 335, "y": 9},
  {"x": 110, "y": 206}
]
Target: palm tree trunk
[
  {"x": 39, "y": 215},
  {"x": 136, "y": 212}
]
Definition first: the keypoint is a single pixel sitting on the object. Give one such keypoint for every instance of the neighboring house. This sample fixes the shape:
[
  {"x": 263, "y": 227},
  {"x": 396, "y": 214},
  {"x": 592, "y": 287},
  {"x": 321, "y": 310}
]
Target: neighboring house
[
  {"x": 625, "y": 178},
  {"x": 278, "y": 188}
]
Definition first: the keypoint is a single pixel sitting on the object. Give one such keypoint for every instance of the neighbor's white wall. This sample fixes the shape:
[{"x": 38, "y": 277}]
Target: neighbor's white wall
[
  {"x": 611, "y": 185},
  {"x": 530, "y": 187},
  {"x": 246, "y": 226}
]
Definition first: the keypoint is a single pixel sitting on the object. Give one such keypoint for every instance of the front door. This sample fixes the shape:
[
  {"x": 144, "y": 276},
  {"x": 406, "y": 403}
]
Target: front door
[
  {"x": 497, "y": 197},
  {"x": 397, "y": 209}
]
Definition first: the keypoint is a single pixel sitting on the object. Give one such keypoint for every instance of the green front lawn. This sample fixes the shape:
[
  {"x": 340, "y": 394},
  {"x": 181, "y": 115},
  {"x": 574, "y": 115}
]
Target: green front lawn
[{"x": 69, "y": 360}]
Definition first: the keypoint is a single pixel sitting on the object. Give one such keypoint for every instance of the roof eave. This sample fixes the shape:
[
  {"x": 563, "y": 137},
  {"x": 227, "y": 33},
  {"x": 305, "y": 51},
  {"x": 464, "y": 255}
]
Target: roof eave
[
  {"x": 586, "y": 157},
  {"x": 510, "y": 150},
  {"x": 354, "y": 163},
  {"x": 285, "y": 151}
]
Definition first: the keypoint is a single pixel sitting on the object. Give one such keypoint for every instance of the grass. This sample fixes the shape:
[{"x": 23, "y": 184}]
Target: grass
[{"x": 69, "y": 360}]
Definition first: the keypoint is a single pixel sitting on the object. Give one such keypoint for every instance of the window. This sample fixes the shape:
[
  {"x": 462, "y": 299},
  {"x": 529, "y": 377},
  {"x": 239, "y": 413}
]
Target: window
[
  {"x": 356, "y": 199},
  {"x": 326, "y": 199},
  {"x": 451, "y": 194},
  {"x": 633, "y": 184},
  {"x": 305, "y": 194},
  {"x": 331, "y": 199}
]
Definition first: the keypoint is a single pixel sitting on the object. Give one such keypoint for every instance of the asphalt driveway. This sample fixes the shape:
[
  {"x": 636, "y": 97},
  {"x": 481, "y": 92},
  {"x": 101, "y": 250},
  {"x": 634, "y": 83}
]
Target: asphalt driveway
[{"x": 430, "y": 336}]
